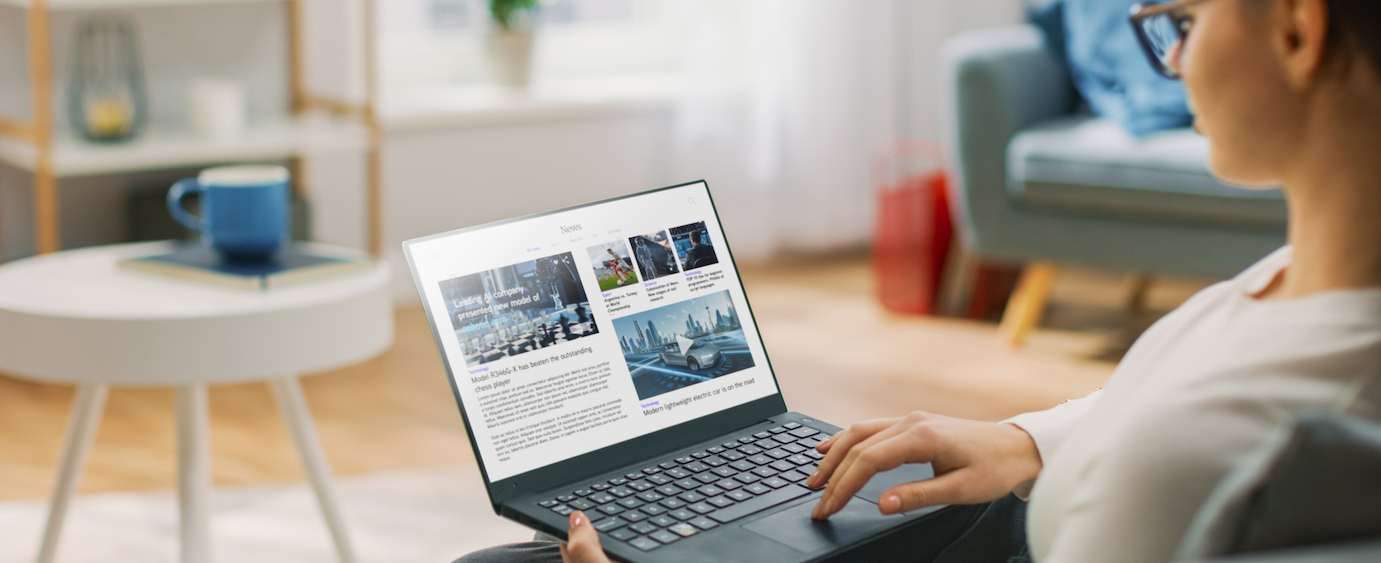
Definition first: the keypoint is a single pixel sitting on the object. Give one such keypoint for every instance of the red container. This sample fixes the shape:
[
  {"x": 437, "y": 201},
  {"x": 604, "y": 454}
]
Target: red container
[{"x": 914, "y": 230}]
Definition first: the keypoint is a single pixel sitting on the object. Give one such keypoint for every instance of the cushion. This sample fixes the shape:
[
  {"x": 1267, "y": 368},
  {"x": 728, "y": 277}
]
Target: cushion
[
  {"x": 1092, "y": 167},
  {"x": 1313, "y": 483},
  {"x": 1111, "y": 71}
]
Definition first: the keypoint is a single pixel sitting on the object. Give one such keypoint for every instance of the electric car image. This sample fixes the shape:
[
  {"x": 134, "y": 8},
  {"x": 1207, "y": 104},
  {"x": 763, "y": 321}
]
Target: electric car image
[{"x": 700, "y": 355}]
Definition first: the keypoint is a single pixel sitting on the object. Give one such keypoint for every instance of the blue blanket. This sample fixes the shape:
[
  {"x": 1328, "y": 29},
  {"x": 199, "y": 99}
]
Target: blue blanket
[{"x": 1111, "y": 70}]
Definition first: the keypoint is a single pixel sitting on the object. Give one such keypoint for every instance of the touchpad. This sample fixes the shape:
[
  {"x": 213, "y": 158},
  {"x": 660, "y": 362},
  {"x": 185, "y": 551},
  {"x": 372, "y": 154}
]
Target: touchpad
[{"x": 794, "y": 528}]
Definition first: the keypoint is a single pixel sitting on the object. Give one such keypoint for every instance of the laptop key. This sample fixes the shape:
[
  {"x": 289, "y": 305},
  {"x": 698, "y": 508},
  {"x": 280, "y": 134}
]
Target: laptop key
[
  {"x": 780, "y": 453},
  {"x": 653, "y": 509},
  {"x": 756, "y": 488},
  {"x": 688, "y": 484},
  {"x": 700, "y": 455},
  {"x": 548, "y": 503},
  {"x": 733, "y": 455},
  {"x": 728, "y": 484},
  {"x": 666, "y": 465},
  {"x": 682, "y": 514},
  {"x": 677, "y": 473},
  {"x": 710, "y": 491},
  {"x": 633, "y": 516},
  {"x": 651, "y": 496},
  {"x": 565, "y": 498},
  {"x": 684, "y": 530},
  {"x": 761, "y": 459},
  {"x": 640, "y": 485},
  {"x": 602, "y": 498},
  {"x": 750, "y": 450},
  {"x": 610, "y": 524},
  {"x": 662, "y": 520},
  {"x": 777, "y": 429},
  {"x": 664, "y": 536},
  {"x": 808, "y": 442},
  {"x": 742, "y": 465},
  {"x": 684, "y": 460},
  {"x": 814, "y": 454},
  {"x": 793, "y": 476},
  {"x": 623, "y": 534},
  {"x": 804, "y": 432},
  {"x": 672, "y": 503},
  {"x": 701, "y": 508},
  {"x": 634, "y": 503},
  {"x": 634, "y": 476},
  {"x": 611, "y": 509},
  {"x": 782, "y": 465},
  {"x": 799, "y": 459},
  {"x": 645, "y": 543},
  {"x": 794, "y": 448},
  {"x": 621, "y": 492},
  {"x": 584, "y": 492},
  {"x": 739, "y": 495},
  {"x": 618, "y": 481},
  {"x": 761, "y": 435},
  {"x": 651, "y": 470},
  {"x": 691, "y": 496},
  {"x": 600, "y": 486},
  {"x": 720, "y": 502},
  {"x": 697, "y": 467},
  {"x": 729, "y": 445},
  {"x": 582, "y": 504},
  {"x": 765, "y": 471},
  {"x": 785, "y": 438},
  {"x": 659, "y": 479},
  {"x": 714, "y": 461},
  {"x": 768, "y": 444},
  {"x": 643, "y": 527},
  {"x": 757, "y": 504},
  {"x": 703, "y": 523},
  {"x": 706, "y": 477},
  {"x": 562, "y": 509},
  {"x": 669, "y": 490},
  {"x": 728, "y": 470},
  {"x": 747, "y": 440},
  {"x": 791, "y": 425},
  {"x": 715, "y": 449}
]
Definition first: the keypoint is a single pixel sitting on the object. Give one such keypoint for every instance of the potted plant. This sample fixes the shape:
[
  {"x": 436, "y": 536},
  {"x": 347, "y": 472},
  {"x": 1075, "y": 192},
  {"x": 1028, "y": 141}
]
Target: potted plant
[{"x": 510, "y": 41}]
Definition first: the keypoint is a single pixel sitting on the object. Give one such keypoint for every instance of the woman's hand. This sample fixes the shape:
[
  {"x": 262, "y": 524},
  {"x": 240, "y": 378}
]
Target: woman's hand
[
  {"x": 582, "y": 543},
  {"x": 974, "y": 461}
]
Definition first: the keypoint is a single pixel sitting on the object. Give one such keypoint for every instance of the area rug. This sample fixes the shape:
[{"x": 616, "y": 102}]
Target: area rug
[{"x": 419, "y": 516}]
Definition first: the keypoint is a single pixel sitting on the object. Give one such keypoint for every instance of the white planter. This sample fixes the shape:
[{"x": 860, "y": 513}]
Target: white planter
[{"x": 510, "y": 57}]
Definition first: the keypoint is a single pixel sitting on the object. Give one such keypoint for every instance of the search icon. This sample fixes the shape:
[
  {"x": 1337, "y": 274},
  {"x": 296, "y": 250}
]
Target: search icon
[{"x": 690, "y": 200}]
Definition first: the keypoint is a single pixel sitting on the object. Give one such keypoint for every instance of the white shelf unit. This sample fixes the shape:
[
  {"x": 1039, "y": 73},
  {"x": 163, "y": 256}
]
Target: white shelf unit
[{"x": 316, "y": 123}]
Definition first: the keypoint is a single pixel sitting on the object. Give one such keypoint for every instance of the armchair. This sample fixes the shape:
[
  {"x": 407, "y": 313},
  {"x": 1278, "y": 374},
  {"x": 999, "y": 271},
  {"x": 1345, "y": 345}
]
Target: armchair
[{"x": 1042, "y": 183}]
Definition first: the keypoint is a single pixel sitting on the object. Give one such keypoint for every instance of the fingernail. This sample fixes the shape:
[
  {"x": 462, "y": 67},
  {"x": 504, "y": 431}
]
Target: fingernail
[
  {"x": 811, "y": 481},
  {"x": 891, "y": 504},
  {"x": 578, "y": 520}
]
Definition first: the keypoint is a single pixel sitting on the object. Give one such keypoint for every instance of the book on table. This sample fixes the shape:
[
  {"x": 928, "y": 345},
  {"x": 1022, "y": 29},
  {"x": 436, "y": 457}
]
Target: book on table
[{"x": 200, "y": 263}]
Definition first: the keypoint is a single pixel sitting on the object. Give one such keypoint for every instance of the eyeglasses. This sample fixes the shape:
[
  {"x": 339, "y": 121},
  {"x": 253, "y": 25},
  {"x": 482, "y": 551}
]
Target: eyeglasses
[{"x": 1162, "y": 28}]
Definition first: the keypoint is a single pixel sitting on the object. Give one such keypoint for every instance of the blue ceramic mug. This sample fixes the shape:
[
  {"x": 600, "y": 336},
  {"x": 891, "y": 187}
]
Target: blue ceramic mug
[{"x": 244, "y": 209}]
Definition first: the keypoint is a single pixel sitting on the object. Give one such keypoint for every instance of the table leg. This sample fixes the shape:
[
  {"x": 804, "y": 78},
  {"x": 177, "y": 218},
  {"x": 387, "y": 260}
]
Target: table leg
[
  {"x": 81, "y": 429},
  {"x": 292, "y": 403},
  {"x": 194, "y": 473}
]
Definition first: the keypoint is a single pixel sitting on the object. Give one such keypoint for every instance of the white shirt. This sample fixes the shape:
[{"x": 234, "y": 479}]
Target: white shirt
[{"x": 1126, "y": 468}]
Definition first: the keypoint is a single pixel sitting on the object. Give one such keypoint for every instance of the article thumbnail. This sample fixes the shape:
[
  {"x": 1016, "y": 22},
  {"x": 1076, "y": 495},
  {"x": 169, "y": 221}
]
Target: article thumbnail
[
  {"x": 682, "y": 344},
  {"x": 654, "y": 254},
  {"x": 516, "y": 309},
  {"x": 613, "y": 265},
  {"x": 692, "y": 244}
]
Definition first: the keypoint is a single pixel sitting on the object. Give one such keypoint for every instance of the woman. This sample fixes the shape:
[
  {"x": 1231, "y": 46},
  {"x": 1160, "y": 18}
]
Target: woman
[{"x": 1288, "y": 93}]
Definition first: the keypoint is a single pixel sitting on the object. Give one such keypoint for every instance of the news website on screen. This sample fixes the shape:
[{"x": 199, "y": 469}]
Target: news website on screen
[{"x": 577, "y": 330}]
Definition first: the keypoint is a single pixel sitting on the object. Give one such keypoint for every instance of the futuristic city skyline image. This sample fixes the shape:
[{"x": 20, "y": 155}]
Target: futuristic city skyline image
[{"x": 659, "y": 344}]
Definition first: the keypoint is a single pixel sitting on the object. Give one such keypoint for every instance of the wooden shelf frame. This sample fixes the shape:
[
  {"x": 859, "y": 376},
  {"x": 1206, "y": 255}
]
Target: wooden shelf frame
[{"x": 38, "y": 131}]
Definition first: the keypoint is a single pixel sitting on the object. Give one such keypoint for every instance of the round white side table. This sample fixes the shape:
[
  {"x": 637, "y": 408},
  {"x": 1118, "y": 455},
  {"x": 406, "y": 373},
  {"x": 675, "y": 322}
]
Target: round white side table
[{"x": 73, "y": 317}]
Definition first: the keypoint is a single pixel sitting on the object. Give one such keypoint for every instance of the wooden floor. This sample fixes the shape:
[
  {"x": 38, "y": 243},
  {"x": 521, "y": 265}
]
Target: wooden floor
[{"x": 837, "y": 356}]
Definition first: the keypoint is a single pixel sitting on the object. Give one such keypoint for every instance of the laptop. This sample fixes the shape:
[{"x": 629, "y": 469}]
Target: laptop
[{"x": 605, "y": 359}]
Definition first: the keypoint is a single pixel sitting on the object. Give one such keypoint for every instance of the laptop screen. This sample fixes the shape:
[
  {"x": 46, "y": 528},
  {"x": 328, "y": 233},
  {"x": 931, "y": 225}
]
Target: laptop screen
[{"x": 575, "y": 330}]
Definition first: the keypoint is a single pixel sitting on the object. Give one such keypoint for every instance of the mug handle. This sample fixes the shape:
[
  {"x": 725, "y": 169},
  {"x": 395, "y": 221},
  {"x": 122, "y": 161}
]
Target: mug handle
[{"x": 180, "y": 190}]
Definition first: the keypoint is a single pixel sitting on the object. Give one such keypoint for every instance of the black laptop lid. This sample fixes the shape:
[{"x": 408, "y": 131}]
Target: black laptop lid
[{"x": 594, "y": 336}]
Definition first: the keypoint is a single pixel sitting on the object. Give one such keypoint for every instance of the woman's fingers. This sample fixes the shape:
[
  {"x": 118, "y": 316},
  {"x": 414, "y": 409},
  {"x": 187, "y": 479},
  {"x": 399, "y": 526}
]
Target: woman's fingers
[
  {"x": 867, "y": 460},
  {"x": 839, "y": 446},
  {"x": 582, "y": 543},
  {"x": 944, "y": 489}
]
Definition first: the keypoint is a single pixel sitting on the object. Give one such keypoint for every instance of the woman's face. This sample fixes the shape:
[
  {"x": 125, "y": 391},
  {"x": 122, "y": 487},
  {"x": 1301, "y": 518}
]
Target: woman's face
[{"x": 1238, "y": 91}]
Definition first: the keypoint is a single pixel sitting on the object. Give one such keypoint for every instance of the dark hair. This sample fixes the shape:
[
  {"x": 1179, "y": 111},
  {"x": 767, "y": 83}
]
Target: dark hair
[{"x": 1356, "y": 25}]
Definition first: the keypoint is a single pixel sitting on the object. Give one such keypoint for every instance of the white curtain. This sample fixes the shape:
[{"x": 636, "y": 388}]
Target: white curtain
[{"x": 784, "y": 103}]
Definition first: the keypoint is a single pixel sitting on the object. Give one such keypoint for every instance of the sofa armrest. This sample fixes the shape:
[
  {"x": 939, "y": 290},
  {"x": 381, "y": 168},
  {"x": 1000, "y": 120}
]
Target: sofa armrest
[{"x": 996, "y": 83}]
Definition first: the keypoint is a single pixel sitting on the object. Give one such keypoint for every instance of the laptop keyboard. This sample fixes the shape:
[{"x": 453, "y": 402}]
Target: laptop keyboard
[{"x": 682, "y": 497}]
